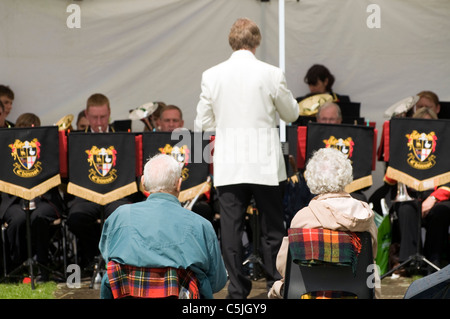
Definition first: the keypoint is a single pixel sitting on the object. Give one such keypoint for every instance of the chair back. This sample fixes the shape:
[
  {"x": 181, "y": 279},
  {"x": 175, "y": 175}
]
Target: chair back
[
  {"x": 141, "y": 282},
  {"x": 329, "y": 277}
]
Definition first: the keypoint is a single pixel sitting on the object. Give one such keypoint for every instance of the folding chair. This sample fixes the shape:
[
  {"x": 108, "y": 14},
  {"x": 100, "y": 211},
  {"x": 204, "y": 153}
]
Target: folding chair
[{"x": 304, "y": 279}]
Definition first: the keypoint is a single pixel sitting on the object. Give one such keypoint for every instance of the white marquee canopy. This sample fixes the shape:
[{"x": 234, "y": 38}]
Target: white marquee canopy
[{"x": 56, "y": 53}]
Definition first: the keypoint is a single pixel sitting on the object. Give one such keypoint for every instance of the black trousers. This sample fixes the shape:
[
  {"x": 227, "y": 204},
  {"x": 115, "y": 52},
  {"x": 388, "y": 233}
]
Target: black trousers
[
  {"x": 234, "y": 201},
  {"x": 41, "y": 219},
  {"x": 437, "y": 224},
  {"x": 409, "y": 221},
  {"x": 82, "y": 221}
]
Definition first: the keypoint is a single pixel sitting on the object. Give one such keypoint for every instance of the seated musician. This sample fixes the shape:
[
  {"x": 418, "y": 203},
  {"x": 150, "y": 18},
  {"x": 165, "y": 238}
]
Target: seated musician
[
  {"x": 84, "y": 215},
  {"x": 327, "y": 173},
  {"x": 320, "y": 81},
  {"x": 159, "y": 233},
  {"x": 432, "y": 206},
  {"x": 171, "y": 119},
  {"x": 45, "y": 209}
]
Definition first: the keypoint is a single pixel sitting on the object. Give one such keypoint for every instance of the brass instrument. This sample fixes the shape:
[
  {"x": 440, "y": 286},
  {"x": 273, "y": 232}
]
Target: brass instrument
[
  {"x": 400, "y": 108},
  {"x": 144, "y": 113},
  {"x": 190, "y": 196},
  {"x": 310, "y": 105},
  {"x": 402, "y": 193},
  {"x": 65, "y": 123}
]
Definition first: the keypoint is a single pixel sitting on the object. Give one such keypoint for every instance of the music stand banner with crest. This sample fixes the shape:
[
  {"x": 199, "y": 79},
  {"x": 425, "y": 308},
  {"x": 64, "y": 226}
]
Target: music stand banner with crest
[
  {"x": 357, "y": 142},
  {"x": 101, "y": 166},
  {"x": 190, "y": 149},
  {"x": 422, "y": 152},
  {"x": 30, "y": 161}
]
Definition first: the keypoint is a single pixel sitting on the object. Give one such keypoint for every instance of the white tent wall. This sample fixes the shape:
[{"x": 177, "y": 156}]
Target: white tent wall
[{"x": 137, "y": 51}]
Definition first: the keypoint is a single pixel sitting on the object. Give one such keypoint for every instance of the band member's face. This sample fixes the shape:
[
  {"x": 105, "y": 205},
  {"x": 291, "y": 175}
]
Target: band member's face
[
  {"x": 98, "y": 117},
  {"x": 170, "y": 120},
  {"x": 425, "y": 102},
  {"x": 319, "y": 87},
  {"x": 329, "y": 115},
  {"x": 82, "y": 124},
  {"x": 2, "y": 117},
  {"x": 7, "y": 103}
]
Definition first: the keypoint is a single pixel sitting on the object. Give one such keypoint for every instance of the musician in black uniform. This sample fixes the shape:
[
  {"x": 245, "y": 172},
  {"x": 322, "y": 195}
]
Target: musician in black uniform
[
  {"x": 320, "y": 81},
  {"x": 84, "y": 216},
  {"x": 431, "y": 207},
  {"x": 45, "y": 209}
]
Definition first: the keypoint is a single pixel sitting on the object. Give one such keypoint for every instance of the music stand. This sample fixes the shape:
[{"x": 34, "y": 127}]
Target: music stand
[
  {"x": 99, "y": 266},
  {"x": 259, "y": 270},
  {"x": 108, "y": 173},
  {"x": 30, "y": 263},
  {"x": 32, "y": 150},
  {"x": 417, "y": 258},
  {"x": 417, "y": 163}
]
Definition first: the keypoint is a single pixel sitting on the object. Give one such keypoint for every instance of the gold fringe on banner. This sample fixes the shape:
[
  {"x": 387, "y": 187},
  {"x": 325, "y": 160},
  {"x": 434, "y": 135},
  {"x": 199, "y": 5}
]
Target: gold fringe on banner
[
  {"x": 101, "y": 199},
  {"x": 418, "y": 185},
  {"x": 192, "y": 192},
  {"x": 359, "y": 183},
  {"x": 29, "y": 194}
]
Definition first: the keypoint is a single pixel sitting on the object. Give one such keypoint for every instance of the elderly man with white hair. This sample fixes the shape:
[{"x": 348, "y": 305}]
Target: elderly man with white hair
[
  {"x": 327, "y": 173},
  {"x": 159, "y": 232},
  {"x": 329, "y": 113}
]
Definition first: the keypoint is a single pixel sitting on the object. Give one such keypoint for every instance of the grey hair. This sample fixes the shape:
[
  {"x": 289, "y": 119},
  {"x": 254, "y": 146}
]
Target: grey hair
[
  {"x": 327, "y": 105},
  {"x": 328, "y": 171},
  {"x": 161, "y": 174}
]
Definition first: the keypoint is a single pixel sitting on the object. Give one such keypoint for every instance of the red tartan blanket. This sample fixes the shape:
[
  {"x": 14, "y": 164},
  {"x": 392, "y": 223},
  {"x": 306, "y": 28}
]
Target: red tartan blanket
[
  {"x": 141, "y": 282},
  {"x": 309, "y": 246}
]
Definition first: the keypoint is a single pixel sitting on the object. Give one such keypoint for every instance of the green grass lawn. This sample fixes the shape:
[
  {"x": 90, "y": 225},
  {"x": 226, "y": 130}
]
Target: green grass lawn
[{"x": 24, "y": 291}]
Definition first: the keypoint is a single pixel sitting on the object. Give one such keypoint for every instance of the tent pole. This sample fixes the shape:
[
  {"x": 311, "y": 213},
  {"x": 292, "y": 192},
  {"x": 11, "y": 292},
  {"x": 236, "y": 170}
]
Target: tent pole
[{"x": 281, "y": 49}]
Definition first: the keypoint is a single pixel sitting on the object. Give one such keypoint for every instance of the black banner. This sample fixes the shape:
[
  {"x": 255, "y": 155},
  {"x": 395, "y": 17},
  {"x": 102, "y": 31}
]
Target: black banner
[
  {"x": 419, "y": 152},
  {"x": 30, "y": 161},
  {"x": 189, "y": 148},
  {"x": 101, "y": 166},
  {"x": 354, "y": 141}
]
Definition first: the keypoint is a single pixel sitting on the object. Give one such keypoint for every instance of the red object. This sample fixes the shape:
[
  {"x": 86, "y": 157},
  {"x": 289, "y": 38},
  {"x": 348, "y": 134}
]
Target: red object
[
  {"x": 139, "y": 155},
  {"x": 26, "y": 280},
  {"x": 301, "y": 146},
  {"x": 63, "y": 153},
  {"x": 211, "y": 152}
]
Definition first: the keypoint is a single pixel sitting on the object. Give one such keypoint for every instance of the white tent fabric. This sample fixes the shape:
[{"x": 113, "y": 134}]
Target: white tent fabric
[{"x": 139, "y": 51}]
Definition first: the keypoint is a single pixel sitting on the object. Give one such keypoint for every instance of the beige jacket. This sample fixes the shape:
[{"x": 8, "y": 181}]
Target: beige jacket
[{"x": 337, "y": 211}]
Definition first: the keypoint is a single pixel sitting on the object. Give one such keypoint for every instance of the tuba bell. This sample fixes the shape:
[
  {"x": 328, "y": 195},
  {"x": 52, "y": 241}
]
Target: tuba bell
[{"x": 402, "y": 193}]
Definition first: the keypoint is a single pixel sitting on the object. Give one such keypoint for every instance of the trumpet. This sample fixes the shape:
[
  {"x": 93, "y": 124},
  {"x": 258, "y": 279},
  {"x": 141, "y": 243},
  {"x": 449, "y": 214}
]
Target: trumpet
[{"x": 402, "y": 193}]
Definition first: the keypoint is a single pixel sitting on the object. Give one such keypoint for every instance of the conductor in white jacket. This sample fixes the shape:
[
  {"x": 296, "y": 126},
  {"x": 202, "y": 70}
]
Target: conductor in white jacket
[{"x": 240, "y": 100}]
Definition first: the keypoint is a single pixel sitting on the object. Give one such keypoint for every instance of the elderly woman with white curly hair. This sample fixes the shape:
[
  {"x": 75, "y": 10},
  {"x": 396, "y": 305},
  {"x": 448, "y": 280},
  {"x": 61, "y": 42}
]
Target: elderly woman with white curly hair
[{"x": 327, "y": 173}]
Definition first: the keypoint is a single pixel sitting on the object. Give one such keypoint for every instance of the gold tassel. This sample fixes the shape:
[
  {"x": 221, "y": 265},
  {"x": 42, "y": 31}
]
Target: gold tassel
[
  {"x": 418, "y": 185},
  {"x": 359, "y": 183},
  {"x": 29, "y": 194},
  {"x": 101, "y": 199},
  {"x": 190, "y": 193}
]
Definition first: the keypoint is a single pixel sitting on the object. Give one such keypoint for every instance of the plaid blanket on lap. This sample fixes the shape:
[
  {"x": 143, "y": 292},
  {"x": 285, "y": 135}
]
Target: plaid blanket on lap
[
  {"x": 313, "y": 246},
  {"x": 141, "y": 282}
]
